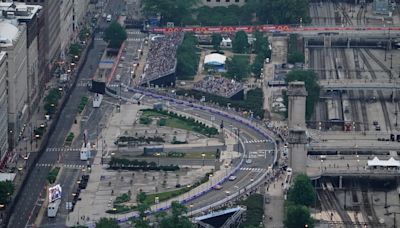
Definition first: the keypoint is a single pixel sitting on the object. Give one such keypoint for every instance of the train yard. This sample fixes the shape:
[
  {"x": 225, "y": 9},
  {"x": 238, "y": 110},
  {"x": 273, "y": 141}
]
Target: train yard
[
  {"x": 358, "y": 110},
  {"x": 364, "y": 111}
]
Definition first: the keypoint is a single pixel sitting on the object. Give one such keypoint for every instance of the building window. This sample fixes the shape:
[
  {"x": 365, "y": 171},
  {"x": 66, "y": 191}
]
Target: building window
[
  {"x": 227, "y": 0},
  {"x": 236, "y": 0},
  {"x": 218, "y": 0}
]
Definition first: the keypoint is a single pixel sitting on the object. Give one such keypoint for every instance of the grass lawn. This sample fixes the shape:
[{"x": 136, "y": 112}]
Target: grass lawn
[
  {"x": 170, "y": 121},
  {"x": 149, "y": 113},
  {"x": 163, "y": 196}
]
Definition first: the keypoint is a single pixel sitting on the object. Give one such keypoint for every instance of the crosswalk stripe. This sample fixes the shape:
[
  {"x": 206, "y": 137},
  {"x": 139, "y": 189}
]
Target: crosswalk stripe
[
  {"x": 257, "y": 141},
  {"x": 252, "y": 169}
]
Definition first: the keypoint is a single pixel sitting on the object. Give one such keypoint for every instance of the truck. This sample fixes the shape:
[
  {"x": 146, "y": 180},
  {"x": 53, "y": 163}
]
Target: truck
[
  {"x": 85, "y": 152},
  {"x": 108, "y": 18},
  {"x": 52, "y": 208}
]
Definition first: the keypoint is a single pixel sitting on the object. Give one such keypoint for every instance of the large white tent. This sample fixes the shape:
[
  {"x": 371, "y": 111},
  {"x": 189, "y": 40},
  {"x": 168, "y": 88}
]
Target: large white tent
[
  {"x": 215, "y": 59},
  {"x": 384, "y": 163}
]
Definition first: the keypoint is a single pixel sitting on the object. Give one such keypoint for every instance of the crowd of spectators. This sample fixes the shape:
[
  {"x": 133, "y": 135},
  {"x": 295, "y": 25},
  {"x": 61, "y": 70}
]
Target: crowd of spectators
[
  {"x": 161, "y": 59},
  {"x": 219, "y": 86}
]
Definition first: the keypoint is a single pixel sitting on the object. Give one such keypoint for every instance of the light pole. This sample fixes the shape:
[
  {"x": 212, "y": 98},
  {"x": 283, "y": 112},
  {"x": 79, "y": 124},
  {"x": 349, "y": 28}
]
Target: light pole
[
  {"x": 158, "y": 158},
  {"x": 191, "y": 208},
  {"x": 37, "y": 138}
]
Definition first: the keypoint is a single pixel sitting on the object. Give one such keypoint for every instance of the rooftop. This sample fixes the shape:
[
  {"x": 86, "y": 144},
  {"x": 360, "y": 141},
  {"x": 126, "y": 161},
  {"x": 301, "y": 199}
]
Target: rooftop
[
  {"x": 8, "y": 33},
  {"x": 18, "y": 10}
]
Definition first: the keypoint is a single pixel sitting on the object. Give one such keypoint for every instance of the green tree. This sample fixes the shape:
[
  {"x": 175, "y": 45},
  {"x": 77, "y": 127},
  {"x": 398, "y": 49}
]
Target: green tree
[
  {"x": 216, "y": 41},
  {"x": 75, "y": 49},
  {"x": 297, "y": 216},
  {"x": 169, "y": 10},
  {"x": 255, "y": 211},
  {"x": 115, "y": 35},
  {"x": 302, "y": 192},
  {"x": 310, "y": 80},
  {"x": 107, "y": 223},
  {"x": 241, "y": 43},
  {"x": 187, "y": 58},
  {"x": 6, "y": 190},
  {"x": 295, "y": 57},
  {"x": 142, "y": 221},
  {"x": 261, "y": 44},
  {"x": 238, "y": 67},
  {"x": 177, "y": 219}
]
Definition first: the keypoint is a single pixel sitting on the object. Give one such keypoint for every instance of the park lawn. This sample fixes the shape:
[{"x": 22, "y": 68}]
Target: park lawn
[
  {"x": 170, "y": 121},
  {"x": 177, "y": 123},
  {"x": 163, "y": 196},
  {"x": 149, "y": 113}
]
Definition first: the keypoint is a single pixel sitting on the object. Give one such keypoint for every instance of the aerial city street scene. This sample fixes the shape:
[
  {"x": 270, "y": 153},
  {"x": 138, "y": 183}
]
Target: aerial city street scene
[{"x": 199, "y": 113}]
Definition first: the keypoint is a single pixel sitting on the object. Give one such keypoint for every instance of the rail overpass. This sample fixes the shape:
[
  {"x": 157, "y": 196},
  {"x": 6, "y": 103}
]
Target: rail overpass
[
  {"x": 350, "y": 166},
  {"x": 360, "y": 84},
  {"x": 354, "y": 145}
]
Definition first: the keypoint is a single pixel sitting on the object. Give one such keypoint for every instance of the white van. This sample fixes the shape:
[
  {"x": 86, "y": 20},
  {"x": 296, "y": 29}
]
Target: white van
[
  {"x": 109, "y": 18},
  {"x": 232, "y": 178}
]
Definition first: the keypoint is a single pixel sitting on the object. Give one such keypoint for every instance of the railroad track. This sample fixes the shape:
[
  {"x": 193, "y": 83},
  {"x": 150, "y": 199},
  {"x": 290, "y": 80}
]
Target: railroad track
[
  {"x": 360, "y": 15},
  {"x": 361, "y": 93},
  {"x": 373, "y": 220},
  {"x": 333, "y": 203},
  {"x": 315, "y": 18},
  {"x": 380, "y": 93},
  {"x": 353, "y": 102},
  {"x": 380, "y": 64},
  {"x": 346, "y": 18}
]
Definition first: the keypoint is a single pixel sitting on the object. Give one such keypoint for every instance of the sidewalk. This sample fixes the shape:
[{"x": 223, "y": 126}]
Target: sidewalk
[{"x": 274, "y": 210}]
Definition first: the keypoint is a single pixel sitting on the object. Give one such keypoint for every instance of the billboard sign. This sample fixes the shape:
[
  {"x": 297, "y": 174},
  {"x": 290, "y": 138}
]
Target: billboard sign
[{"x": 55, "y": 193}]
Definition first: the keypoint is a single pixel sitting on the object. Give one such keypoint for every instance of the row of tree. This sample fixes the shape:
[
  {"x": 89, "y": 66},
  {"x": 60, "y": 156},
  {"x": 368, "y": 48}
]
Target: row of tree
[
  {"x": 123, "y": 163},
  {"x": 294, "y": 55},
  {"x": 187, "y": 57},
  {"x": 189, "y": 12},
  {"x": 300, "y": 197},
  {"x": 261, "y": 48},
  {"x": 177, "y": 217}
]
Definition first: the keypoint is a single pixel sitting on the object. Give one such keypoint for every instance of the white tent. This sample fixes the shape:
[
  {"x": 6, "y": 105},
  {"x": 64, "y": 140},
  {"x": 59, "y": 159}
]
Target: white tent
[
  {"x": 226, "y": 42},
  {"x": 215, "y": 59},
  {"x": 383, "y": 163}
]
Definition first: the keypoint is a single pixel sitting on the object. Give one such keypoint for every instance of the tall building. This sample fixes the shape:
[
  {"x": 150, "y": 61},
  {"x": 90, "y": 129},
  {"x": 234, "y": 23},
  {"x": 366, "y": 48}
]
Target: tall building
[
  {"x": 66, "y": 23},
  {"x": 28, "y": 15},
  {"x": 51, "y": 16},
  {"x": 214, "y": 3},
  {"x": 3, "y": 106},
  {"x": 81, "y": 7},
  {"x": 13, "y": 40}
]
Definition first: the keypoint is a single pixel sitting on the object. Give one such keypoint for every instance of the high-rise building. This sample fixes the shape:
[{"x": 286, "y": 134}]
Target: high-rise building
[
  {"x": 81, "y": 7},
  {"x": 3, "y": 106},
  {"x": 51, "y": 16},
  {"x": 13, "y": 40},
  {"x": 66, "y": 23}
]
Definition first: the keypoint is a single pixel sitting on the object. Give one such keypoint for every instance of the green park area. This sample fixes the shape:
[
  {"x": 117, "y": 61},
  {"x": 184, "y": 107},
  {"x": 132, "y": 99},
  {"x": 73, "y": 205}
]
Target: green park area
[{"x": 174, "y": 120}]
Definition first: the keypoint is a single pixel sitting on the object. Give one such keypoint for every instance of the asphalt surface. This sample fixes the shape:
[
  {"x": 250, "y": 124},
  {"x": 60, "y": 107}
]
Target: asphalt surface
[{"x": 26, "y": 205}]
